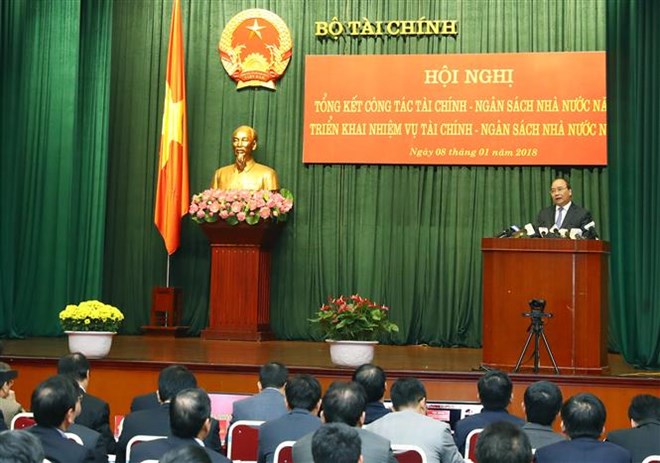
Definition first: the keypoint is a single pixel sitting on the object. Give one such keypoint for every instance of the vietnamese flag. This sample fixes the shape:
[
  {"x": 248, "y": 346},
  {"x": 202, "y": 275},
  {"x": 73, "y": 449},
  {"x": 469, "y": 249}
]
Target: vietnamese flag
[{"x": 172, "y": 194}]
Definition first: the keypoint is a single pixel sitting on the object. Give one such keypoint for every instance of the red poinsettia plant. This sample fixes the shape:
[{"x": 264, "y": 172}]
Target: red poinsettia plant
[{"x": 353, "y": 318}]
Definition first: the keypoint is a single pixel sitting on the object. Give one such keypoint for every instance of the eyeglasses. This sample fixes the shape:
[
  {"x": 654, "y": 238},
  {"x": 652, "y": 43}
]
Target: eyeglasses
[{"x": 557, "y": 190}]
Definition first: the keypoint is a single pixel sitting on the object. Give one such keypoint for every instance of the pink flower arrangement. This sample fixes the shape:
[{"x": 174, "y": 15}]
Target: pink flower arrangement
[
  {"x": 236, "y": 206},
  {"x": 353, "y": 318}
]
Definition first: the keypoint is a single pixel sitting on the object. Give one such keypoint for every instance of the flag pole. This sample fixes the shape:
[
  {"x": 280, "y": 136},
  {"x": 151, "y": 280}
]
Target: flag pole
[{"x": 167, "y": 278}]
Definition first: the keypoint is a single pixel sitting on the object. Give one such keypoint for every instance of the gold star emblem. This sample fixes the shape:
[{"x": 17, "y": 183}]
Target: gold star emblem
[
  {"x": 255, "y": 29},
  {"x": 172, "y": 125}
]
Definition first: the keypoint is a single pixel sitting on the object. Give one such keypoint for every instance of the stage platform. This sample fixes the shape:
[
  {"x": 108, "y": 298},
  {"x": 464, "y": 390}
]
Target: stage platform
[{"x": 232, "y": 366}]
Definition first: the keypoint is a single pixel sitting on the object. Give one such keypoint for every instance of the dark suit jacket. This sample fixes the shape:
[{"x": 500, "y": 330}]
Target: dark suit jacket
[
  {"x": 156, "y": 422},
  {"x": 145, "y": 402},
  {"x": 153, "y": 450},
  {"x": 265, "y": 406},
  {"x": 375, "y": 449},
  {"x": 59, "y": 449},
  {"x": 540, "y": 435},
  {"x": 3, "y": 425},
  {"x": 642, "y": 441},
  {"x": 374, "y": 411},
  {"x": 575, "y": 217},
  {"x": 92, "y": 440},
  {"x": 95, "y": 414},
  {"x": 583, "y": 450},
  {"x": 480, "y": 420},
  {"x": 292, "y": 426}
]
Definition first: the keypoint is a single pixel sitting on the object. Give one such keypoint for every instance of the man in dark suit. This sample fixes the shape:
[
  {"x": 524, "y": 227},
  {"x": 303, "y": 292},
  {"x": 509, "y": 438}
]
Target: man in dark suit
[
  {"x": 373, "y": 380},
  {"x": 303, "y": 398},
  {"x": 156, "y": 422},
  {"x": 643, "y": 439},
  {"x": 145, "y": 401},
  {"x": 583, "y": 419},
  {"x": 269, "y": 403},
  {"x": 495, "y": 390},
  {"x": 345, "y": 403},
  {"x": 95, "y": 413},
  {"x": 336, "y": 442},
  {"x": 190, "y": 423},
  {"x": 563, "y": 213},
  {"x": 55, "y": 404},
  {"x": 503, "y": 442},
  {"x": 541, "y": 403}
]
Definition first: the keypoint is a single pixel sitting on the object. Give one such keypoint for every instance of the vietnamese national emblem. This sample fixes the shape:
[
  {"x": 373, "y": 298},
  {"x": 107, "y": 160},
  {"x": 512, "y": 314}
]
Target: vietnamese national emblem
[{"x": 255, "y": 48}]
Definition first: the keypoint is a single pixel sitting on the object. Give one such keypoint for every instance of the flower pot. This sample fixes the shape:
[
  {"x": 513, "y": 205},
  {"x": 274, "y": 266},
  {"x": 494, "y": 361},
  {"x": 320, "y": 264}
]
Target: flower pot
[
  {"x": 94, "y": 344},
  {"x": 351, "y": 353}
]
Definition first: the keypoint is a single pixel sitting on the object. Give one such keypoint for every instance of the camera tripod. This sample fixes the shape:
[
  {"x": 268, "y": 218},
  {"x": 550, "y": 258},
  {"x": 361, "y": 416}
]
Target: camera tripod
[{"x": 536, "y": 329}]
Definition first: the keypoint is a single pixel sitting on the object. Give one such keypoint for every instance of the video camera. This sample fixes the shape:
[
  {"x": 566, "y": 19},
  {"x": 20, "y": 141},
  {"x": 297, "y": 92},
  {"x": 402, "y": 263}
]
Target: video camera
[{"x": 537, "y": 310}]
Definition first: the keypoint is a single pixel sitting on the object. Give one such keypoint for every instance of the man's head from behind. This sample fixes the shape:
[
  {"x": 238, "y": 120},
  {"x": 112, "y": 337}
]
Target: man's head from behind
[
  {"x": 75, "y": 365},
  {"x": 336, "y": 443},
  {"x": 583, "y": 415},
  {"x": 503, "y": 442},
  {"x": 408, "y": 393},
  {"x": 20, "y": 447},
  {"x": 644, "y": 407},
  {"x": 273, "y": 374},
  {"x": 495, "y": 390},
  {"x": 187, "y": 454},
  {"x": 302, "y": 391},
  {"x": 173, "y": 380},
  {"x": 542, "y": 400},
  {"x": 372, "y": 378},
  {"x": 190, "y": 413},
  {"x": 54, "y": 402},
  {"x": 344, "y": 403}
]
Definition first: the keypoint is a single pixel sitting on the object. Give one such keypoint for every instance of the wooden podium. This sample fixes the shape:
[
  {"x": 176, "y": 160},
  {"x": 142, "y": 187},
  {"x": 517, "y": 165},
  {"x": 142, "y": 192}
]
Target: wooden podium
[
  {"x": 239, "y": 305},
  {"x": 572, "y": 276}
]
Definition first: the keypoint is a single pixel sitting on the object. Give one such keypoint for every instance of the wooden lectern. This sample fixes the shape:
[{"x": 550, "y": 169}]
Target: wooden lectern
[
  {"x": 572, "y": 276},
  {"x": 239, "y": 304}
]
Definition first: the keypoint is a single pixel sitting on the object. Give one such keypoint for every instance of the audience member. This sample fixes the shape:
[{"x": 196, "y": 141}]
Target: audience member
[
  {"x": 495, "y": 390},
  {"x": 541, "y": 403},
  {"x": 373, "y": 380},
  {"x": 55, "y": 404},
  {"x": 643, "y": 439},
  {"x": 503, "y": 441},
  {"x": 268, "y": 404},
  {"x": 409, "y": 425},
  {"x": 190, "y": 423},
  {"x": 336, "y": 443},
  {"x": 345, "y": 403},
  {"x": 303, "y": 399},
  {"x": 20, "y": 447},
  {"x": 145, "y": 401},
  {"x": 95, "y": 413},
  {"x": 583, "y": 418},
  {"x": 156, "y": 422},
  {"x": 186, "y": 454},
  {"x": 9, "y": 407}
]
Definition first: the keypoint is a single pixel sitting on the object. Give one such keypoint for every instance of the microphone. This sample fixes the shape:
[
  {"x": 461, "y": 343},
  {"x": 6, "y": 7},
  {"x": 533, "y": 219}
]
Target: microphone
[
  {"x": 553, "y": 232},
  {"x": 543, "y": 231},
  {"x": 590, "y": 231},
  {"x": 531, "y": 231},
  {"x": 563, "y": 232},
  {"x": 575, "y": 234},
  {"x": 508, "y": 232}
]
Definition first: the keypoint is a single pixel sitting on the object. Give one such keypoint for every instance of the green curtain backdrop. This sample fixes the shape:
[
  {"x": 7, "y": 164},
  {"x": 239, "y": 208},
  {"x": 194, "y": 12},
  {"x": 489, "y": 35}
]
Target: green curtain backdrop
[
  {"x": 406, "y": 236},
  {"x": 55, "y": 109}
]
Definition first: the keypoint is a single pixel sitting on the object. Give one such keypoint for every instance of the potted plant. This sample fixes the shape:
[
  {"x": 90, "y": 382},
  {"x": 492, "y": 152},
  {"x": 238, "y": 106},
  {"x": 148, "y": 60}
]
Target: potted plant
[
  {"x": 241, "y": 206},
  {"x": 352, "y": 325},
  {"x": 90, "y": 326}
]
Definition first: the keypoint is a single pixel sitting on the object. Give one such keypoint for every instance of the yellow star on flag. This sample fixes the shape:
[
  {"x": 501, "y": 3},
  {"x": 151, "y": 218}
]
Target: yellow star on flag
[{"x": 172, "y": 125}]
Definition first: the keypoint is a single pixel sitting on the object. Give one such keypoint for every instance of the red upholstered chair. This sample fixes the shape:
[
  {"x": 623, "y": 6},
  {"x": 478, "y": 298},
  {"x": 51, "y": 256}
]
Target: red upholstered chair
[
  {"x": 243, "y": 441},
  {"x": 652, "y": 459},
  {"x": 471, "y": 445},
  {"x": 408, "y": 454},
  {"x": 22, "y": 420},
  {"x": 137, "y": 440},
  {"x": 284, "y": 452}
]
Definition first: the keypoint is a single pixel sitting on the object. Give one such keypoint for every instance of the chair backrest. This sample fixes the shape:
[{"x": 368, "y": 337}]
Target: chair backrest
[
  {"x": 74, "y": 437},
  {"x": 136, "y": 440},
  {"x": 652, "y": 459},
  {"x": 408, "y": 453},
  {"x": 471, "y": 445},
  {"x": 284, "y": 452},
  {"x": 243, "y": 441},
  {"x": 22, "y": 420}
]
